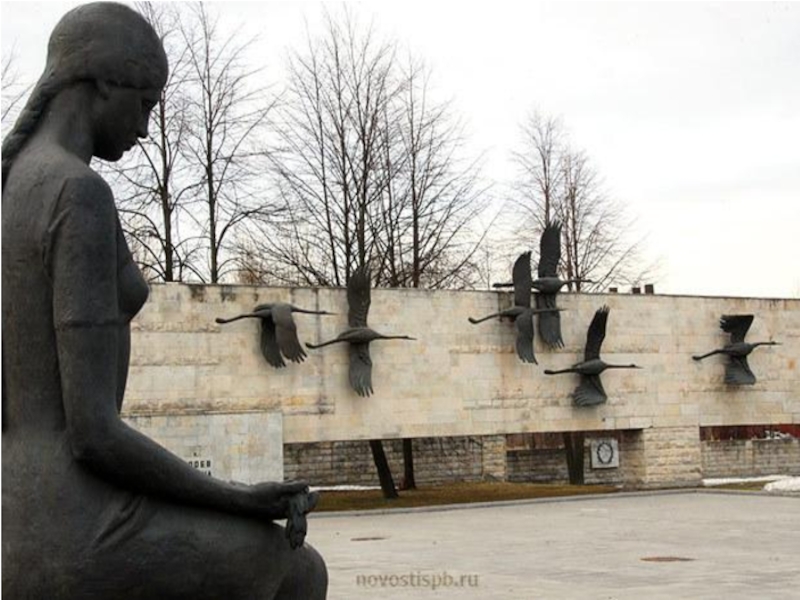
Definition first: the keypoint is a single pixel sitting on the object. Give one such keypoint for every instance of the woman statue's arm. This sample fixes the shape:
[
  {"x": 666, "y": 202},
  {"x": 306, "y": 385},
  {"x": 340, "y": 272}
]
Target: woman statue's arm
[{"x": 83, "y": 264}]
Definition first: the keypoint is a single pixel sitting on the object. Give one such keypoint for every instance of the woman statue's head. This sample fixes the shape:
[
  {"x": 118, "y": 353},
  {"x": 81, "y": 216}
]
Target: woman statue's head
[
  {"x": 106, "y": 41},
  {"x": 102, "y": 42}
]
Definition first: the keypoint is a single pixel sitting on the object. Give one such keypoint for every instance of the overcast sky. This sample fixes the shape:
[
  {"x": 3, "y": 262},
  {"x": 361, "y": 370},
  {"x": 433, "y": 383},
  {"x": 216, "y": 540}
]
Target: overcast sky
[{"x": 690, "y": 112}]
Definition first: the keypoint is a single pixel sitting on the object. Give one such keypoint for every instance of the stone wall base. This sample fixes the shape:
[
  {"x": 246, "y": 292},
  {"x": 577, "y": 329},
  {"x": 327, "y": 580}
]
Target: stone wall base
[
  {"x": 248, "y": 447},
  {"x": 436, "y": 460},
  {"x": 751, "y": 458},
  {"x": 671, "y": 457},
  {"x": 444, "y": 460},
  {"x": 549, "y": 465},
  {"x": 649, "y": 458}
]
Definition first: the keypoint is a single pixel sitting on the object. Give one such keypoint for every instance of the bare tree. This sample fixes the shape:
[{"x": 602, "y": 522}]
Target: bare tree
[
  {"x": 597, "y": 231},
  {"x": 14, "y": 90},
  {"x": 432, "y": 198},
  {"x": 155, "y": 184},
  {"x": 369, "y": 169},
  {"x": 429, "y": 203},
  {"x": 191, "y": 194},
  {"x": 225, "y": 115},
  {"x": 329, "y": 168},
  {"x": 539, "y": 161},
  {"x": 558, "y": 182}
]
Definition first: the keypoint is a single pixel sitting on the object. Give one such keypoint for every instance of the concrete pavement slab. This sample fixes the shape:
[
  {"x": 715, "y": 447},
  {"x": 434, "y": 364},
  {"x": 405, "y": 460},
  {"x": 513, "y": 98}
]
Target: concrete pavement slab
[{"x": 654, "y": 546}]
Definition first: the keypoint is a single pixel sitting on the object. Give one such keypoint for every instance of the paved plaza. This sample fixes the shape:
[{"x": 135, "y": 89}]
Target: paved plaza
[{"x": 654, "y": 546}]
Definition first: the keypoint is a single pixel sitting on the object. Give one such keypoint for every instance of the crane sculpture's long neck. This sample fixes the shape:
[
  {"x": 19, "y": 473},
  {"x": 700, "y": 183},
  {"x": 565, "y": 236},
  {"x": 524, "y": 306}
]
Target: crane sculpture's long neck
[
  {"x": 607, "y": 366},
  {"x": 222, "y": 321},
  {"x": 706, "y": 355},
  {"x": 311, "y": 312},
  {"x": 559, "y": 371},
  {"x": 482, "y": 319},
  {"x": 395, "y": 337},
  {"x": 328, "y": 343}
]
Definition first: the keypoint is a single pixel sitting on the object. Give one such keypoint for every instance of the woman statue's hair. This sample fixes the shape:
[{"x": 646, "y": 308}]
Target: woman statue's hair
[{"x": 102, "y": 41}]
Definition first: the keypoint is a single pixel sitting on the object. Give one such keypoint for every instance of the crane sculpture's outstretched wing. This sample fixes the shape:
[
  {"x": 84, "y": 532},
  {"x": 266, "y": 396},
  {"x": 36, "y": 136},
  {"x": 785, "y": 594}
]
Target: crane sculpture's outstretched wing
[
  {"x": 549, "y": 322},
  {"x": 589, "y": 392},
  {"x": 269, "y": 343},
  {"x": 360, "y": 368},
  {"x": 524, "y": 327},
  {"x": 358, "y": 297},
  {"x": 596, "y": 334},
  {"x": 286, "y": 333},
  {"x": 550, "y": 250},
  {"x": 738, "y": 372},
  {"x": 521, "y": 275},
  {"x": 736, "y": 325}
]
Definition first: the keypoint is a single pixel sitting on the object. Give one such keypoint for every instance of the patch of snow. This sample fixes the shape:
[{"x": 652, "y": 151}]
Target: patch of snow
[
  {"x": 729, "y": 480},
  {"x": 790, "y": 484}
]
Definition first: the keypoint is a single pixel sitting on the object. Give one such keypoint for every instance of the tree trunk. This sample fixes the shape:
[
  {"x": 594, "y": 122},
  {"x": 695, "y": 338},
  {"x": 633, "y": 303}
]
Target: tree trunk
[
  {"x": 409, "y": 483},
  {"x": 573, "y": 448},
  {"x": 384, "y": 472}
]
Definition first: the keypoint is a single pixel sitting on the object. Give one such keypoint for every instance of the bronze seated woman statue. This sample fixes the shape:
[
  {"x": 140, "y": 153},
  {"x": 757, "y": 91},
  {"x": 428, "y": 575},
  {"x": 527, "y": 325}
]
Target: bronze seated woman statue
[{"x": 92, "y": 509}]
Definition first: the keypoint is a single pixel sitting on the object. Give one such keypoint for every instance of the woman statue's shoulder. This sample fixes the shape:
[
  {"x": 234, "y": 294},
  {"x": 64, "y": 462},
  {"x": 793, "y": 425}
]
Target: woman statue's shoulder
[{"x": 83, "y": 186}]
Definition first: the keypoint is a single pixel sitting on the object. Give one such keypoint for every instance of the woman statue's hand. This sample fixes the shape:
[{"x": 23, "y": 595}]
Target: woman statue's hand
[
  {"x": 291, "y": 501},
  {"x": 296, "y": 524}
]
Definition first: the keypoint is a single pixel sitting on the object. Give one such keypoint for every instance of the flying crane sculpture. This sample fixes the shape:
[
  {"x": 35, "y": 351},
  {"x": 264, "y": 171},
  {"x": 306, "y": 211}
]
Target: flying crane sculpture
[
  {"x": 590, "y": 390},
  {"x": 737, "y": 371},
  {"x": 548, "y": 284},
  {"x": 359, "y": 335},
  {"x": 278, "y": 331},
  {"x": 521, "y": 311}
]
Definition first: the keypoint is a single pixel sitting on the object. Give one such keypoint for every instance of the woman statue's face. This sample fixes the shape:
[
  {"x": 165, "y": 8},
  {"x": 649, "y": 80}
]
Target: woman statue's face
[{"x": 121, "y": 119}]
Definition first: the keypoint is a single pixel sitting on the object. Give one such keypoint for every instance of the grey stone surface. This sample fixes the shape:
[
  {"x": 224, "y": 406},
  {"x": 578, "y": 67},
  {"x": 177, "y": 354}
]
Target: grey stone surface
[
  {"x": 245, "y": 447},
  {"x": 750, "y": 458},
  {"x": 741, "y": 546}
]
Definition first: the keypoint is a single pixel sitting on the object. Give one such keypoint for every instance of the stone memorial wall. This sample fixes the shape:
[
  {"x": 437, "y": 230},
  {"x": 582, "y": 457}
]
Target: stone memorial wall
[{"x": 457, "y": 379}]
